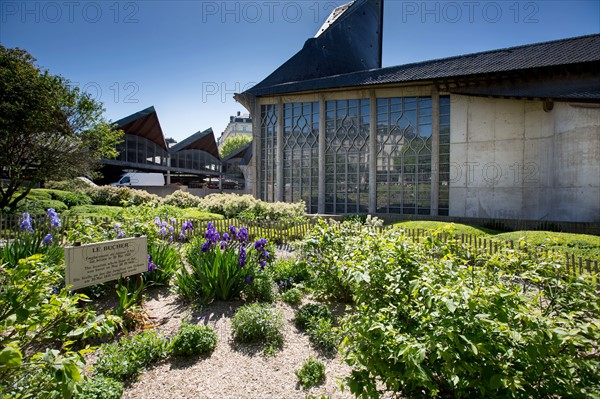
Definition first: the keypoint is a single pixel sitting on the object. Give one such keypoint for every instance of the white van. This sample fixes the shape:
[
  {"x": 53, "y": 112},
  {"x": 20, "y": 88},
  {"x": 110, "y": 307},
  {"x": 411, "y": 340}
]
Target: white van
[{"x": 140, "y": 179}]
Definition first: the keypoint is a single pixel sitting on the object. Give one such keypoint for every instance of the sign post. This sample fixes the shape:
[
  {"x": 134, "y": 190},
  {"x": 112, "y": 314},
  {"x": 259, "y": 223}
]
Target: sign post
[{"x": 92, "y": 264}]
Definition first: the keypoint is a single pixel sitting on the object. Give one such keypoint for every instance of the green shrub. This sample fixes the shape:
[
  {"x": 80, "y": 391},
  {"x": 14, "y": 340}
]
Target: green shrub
[
  {"x": 311, "y": 373},
  {"x": 70, "y": 199},
  {"x": 40, "y": 322},
  {"x": 323, "y": 250},
  {"x": 293, "y": 296},
  {"x": 101, "y": 211},
  {"x": 67, "y": 185},
  {"x": 120, "y": 196},
  {"x": 258, "y": 323},
  {"x": 312, "y": 311},
  {"x": 37, "y": 206},
  {"x": 182, "y": 199},
  {"x": 428, "y": 322},
  {"x": 322, "y": 334},
  {"x": 288, "y": 271},
  {"x": 194, "y": 340},
  {"x": 99, "y": 387},
  {"x": 247, "y": 208},
  {"x": 260, "y": 289},
  {"x": 127, "y": 358}
]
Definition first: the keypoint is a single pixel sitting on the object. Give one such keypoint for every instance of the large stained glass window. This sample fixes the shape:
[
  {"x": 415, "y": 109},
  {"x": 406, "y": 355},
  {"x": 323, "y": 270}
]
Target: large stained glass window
[
  {"x": 268, "y": 152},
  {"x": 301, "y": 153},
  {"x": 347, "y": 156},
  {"x": 404, "y": 155},
  {"x": 444, "y": 161}
]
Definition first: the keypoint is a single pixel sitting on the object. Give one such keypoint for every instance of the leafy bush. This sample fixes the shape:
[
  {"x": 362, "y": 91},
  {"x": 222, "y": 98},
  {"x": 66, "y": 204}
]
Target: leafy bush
[
  {"x": 293, "y": 296},
  {"x": 194, "y": 340},
  {"x": 288, "y": 271},
  {"x": 324, "y": 249},
  {"x": 312, "y": 311},
  {"x": 311, "y": 373},
  {"x": 260, "y": 289},
  {"x": 248, "y": 208},
  {"x": 322, "y": 334},
  {"x": 99, "y": 387},
  {"x": 258, "y": 323},
  {"x": 127, "y": 358},
  {"x": 182, "y": 199},
  {"x": 120, "y": 196},
  {"x": 38, "y": 206},
  {"x": 37, "y": 316},
  {"x": 67, "y": 185},
  {"x": 70, "y": 199},
  {"x": 101, "y": 211},
  {"x": 428, "y": 322}
]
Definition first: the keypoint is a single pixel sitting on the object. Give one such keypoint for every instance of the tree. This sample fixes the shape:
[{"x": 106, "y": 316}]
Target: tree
[
  {"x": 233, "y": 144},
  {"x": 48, "y": 129}
]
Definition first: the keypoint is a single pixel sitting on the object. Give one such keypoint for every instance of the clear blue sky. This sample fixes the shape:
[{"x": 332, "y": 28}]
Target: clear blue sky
[{"x": 187, "y": 57}]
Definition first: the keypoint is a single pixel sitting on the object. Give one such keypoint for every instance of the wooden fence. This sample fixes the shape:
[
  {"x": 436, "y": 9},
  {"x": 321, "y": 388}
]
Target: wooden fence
[
  {"x": 573, "y": 265},
  {"x": 274, "y": 231},
  {"x": 287, "y": 232}
]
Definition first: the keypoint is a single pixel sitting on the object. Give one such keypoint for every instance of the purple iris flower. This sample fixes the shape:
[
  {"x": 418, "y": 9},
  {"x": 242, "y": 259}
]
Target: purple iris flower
[
  {"x": 47, "y": 239},
  {"x": 242, "y": 234},
  {"x": 26, "y": 222},
  {"x": 54, "y": 219},
  {"x": 242, "y": 261}
]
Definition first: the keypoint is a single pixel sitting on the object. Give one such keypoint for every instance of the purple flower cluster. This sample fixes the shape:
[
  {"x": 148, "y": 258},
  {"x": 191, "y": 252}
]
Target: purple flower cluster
[
  {"x": 47, "y": 239},
  {"x": 151, "y": 265},
  {"x": 242, "y": 261},
  {"x": 54, "y": 219},
  {"x": 26, "y": 222},
  {"x": 241, "y": 235},
  {"x": 283, "y": 284},
  {"x": 120, "y": 233},
  {"x": 187, "y": 226},
  {"x": 264, "y": 256}
]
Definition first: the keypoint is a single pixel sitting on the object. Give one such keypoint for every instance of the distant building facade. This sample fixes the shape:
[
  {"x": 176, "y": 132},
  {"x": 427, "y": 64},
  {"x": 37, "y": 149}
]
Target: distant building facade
[
  {"x": 144, "y": 148},
  {"x": 506, "y": 134},
  {"x": 239, "y": 125}
]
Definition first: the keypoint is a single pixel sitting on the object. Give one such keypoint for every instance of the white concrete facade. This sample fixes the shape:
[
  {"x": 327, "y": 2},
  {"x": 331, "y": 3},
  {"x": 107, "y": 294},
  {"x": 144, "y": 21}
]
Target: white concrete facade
[{"x": 513, "y": 159}]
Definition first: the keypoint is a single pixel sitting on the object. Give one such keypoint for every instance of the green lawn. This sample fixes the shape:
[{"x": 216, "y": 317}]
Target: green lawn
[{"x": 585, "y": 246}]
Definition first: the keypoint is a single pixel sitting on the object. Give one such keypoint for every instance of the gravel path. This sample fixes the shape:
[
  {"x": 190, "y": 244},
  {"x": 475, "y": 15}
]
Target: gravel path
[{"x": 233, "y": 370}]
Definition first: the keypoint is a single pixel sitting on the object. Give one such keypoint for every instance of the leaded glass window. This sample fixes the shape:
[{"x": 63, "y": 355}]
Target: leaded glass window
[
  {"x": 404, "y": 155},
  {"x": 347, "y": 156},
  {"x": 268, "y": 152},
  {"x": 444, "y": 155},
  {"x": 301, "y": 153}
]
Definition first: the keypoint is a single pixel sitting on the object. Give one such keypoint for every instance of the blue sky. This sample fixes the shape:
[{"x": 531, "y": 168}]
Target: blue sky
[{"x": 187, "y": 58}]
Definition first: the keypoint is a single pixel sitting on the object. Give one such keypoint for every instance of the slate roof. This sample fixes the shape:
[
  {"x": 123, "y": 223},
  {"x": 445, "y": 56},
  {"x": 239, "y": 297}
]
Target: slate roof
[{"x": 577, "y": 50}]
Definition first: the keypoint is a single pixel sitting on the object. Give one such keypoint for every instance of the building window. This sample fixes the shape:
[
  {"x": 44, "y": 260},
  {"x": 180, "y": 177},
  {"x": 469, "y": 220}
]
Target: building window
[
  {"x": 404, "y": 155},
  {"x": 301, "y": 153},
  {"x": 347, "y": 156},
  {"x": 444, "y": 161},
  {"x": 268, "y": 149}
]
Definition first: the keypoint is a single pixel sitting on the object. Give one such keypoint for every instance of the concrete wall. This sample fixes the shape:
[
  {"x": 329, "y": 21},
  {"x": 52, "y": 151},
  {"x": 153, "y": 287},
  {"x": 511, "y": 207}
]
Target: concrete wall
[{"x": 510, "y": 159}]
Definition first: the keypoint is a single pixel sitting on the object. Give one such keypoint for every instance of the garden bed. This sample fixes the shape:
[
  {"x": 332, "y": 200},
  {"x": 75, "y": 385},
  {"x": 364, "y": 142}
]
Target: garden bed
[{"x": 233, "y": 370}]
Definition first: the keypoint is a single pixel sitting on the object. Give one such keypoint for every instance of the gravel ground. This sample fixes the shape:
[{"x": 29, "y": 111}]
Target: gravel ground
[{"x": 233, "y": 370}]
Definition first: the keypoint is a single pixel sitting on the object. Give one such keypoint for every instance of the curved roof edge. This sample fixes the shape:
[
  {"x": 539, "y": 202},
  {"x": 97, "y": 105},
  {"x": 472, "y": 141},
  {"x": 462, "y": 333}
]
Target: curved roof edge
[
  {"x": 202, "y": 140},
  {"x": 145, "y": 124}
]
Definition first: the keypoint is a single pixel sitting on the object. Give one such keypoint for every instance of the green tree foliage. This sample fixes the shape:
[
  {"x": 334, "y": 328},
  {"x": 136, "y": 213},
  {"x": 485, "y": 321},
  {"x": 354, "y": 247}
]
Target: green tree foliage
[
  {"x": 233, "y": 144},
  {"x": 48, "y": 129}
]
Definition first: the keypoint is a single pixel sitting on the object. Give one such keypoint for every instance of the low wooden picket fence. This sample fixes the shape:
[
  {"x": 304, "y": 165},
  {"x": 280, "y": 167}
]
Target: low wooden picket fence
[
  {"x": 573, "y": 265},
  {"x": 282, "y": 233}
]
